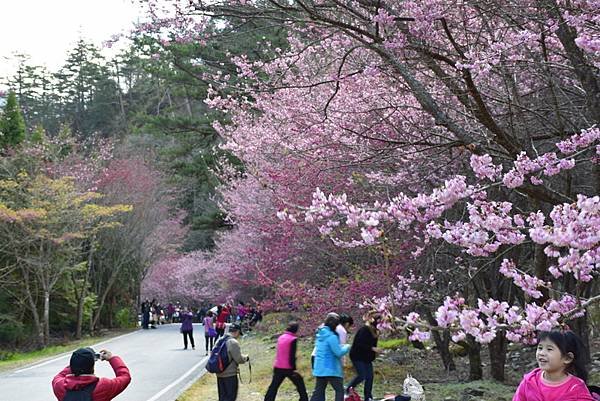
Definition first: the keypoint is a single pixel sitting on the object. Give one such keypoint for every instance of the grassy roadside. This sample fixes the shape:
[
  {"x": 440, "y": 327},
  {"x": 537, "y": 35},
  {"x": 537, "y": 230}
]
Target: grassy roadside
[
  {"x": 388, "y": 378},
  {"x": 262, "y": 352},
  {"x": 20, "y": 359}
]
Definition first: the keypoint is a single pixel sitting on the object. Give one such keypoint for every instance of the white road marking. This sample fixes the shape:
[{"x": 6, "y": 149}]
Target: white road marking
[
  {"x": 66, "y": 354},
  {"x": 176, "y": 382}
]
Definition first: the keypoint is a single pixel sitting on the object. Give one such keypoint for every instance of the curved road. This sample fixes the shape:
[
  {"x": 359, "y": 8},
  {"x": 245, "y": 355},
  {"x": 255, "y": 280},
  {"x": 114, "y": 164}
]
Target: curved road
[{"x": 160, "y": 368}]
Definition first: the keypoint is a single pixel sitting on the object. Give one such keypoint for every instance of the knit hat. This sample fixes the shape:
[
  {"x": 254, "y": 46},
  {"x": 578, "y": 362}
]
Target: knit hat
[
  {"x": 236, "y": 327},
  {"x": 82, "y": 361}
]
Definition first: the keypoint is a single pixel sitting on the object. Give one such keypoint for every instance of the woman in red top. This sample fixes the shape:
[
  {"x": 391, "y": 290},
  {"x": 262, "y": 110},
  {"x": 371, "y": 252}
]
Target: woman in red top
[{"x": 222, "y": 315}]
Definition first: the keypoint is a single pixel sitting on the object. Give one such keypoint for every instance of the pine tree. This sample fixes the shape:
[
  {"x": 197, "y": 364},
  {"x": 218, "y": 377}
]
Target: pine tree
[
  {"x": 38, "y": 135},
  {"x": 12, "y": 124}
]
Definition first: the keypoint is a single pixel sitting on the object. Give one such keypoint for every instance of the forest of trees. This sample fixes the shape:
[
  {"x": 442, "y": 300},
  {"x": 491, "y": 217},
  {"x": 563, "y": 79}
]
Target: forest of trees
[
  {"x": 108, "y": 166},
  {"x": 436, "y": 161}
]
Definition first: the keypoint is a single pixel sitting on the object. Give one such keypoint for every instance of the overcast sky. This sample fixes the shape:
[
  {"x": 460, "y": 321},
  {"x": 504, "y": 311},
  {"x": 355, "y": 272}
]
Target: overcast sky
[{"x": 47, "y": 29}]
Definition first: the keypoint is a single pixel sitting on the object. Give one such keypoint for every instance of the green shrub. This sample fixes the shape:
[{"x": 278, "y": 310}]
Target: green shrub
[
  {"x": 124, "y": 318},
  {"x": 11, "y": 331},
  {"x": 6, "y": 355}
]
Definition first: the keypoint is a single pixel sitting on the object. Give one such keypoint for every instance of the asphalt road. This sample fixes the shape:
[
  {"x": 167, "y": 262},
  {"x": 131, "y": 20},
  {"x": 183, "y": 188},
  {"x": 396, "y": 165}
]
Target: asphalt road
[{"x": 160, "y": 368}]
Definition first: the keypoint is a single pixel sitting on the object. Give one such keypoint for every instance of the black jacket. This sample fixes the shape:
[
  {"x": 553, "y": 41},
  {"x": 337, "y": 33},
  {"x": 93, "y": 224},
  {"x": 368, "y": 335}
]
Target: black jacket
[{"x": 362, "y": 346}]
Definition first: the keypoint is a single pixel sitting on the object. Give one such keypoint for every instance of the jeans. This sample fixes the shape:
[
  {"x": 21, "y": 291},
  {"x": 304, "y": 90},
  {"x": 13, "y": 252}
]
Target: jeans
[
  {"x": 278, "y": 376},
  {"x": 185, "y": 340},
  {"x": 336, "y": 382},
  {"x": 207, "y": 340},
  {"x": 364, "y": 372},
  {"x": 228, "y": 388}
]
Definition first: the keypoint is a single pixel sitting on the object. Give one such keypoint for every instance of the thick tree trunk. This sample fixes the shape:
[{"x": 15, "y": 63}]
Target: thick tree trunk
[
  {"x": 585, "y": 71},
  {"x": 580, "y": 327},
  {"x": 442, "y": 342},
  {"x": 475, "y": 369},
  {"x": 497, "y": 349}
]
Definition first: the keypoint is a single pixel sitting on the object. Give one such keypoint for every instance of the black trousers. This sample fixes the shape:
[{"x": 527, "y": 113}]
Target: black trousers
[
  {"x": 278, "y": 376},
  {"x": 322, "y": 381},
  {"x": 228, "y": 388},
  {"x": 185, "y": 340},
  {"x": 207, "y": 340}
]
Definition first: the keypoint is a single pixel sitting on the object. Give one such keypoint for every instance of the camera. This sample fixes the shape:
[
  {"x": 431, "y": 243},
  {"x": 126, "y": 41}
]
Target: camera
[{"x": 96, "y": 357}]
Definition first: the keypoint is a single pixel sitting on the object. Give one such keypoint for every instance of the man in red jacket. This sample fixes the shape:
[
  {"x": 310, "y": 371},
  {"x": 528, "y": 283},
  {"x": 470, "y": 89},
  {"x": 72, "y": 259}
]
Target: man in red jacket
[{"x": 79, "y": 376}]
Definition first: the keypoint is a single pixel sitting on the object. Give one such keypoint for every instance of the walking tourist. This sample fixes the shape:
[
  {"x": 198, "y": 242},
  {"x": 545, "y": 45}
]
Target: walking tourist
[
  {"x": 285, "y": 364},
  {"x": 327, "y": 363},
  {"x": 362, "y": 354}
]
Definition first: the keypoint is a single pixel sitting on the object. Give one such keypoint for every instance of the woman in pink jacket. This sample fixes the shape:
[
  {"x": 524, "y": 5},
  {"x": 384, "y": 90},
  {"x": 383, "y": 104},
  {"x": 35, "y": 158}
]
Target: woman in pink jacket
[
  {"x": 561, "y": 374},
  {"x": 285, "y": 364}
]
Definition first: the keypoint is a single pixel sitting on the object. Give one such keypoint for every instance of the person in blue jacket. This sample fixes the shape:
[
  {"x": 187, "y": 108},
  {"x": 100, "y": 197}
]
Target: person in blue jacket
[{"x": 328, "y": 361}]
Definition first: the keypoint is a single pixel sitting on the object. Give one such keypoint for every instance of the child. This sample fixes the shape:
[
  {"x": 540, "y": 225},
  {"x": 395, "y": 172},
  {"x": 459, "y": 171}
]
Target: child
[{"x": 561, "y": 375}]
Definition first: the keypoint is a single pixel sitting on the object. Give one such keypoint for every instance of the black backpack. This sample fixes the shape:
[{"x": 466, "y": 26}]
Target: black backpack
[{"x": 84, "y": 394}]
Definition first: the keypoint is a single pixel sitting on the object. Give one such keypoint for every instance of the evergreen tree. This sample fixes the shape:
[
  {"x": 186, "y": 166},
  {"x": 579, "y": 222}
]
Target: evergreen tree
[
  {"x": 167, "y": 86},
  {"x": 89, "y": 95},
  {"x": 38, "y": 135},
  {"x": 38, "y": 98},
  {"x": 12, "y": 124}
]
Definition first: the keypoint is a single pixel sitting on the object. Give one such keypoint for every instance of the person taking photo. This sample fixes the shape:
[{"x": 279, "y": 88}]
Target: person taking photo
[{"x": 78, "y": 379}]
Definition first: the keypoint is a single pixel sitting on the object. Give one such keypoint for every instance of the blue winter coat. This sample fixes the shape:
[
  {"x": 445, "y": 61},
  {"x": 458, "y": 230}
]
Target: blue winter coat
[{"x": 329, "y": 353}]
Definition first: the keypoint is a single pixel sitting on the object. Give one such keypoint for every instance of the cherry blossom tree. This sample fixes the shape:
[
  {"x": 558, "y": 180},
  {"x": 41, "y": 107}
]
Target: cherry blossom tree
[{"x": 463, "y": 124}]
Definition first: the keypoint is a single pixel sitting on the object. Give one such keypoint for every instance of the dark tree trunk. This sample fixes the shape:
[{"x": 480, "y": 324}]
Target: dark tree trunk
[
  {"x": 497, "y": 349},
  {"x": 580, "y": 327},
  {"x": 474, "y": 349},
  {"x": 442, "y": 342}
]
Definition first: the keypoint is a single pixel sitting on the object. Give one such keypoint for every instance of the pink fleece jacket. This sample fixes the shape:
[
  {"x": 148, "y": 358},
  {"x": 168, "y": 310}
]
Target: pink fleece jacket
[
  {"x": 285, "y": 357},
  {"x": 533, "y": 388}
]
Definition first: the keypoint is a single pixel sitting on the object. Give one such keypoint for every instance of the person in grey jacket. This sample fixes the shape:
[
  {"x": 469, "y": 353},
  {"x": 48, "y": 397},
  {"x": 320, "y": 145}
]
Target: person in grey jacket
[{"x": 227, "y": 381}]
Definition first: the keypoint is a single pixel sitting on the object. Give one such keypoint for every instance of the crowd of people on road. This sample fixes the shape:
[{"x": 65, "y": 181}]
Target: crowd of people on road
[
  {"x": 153, "y": 313},
  {"x": 561, "y": 373},
  {"x": 214, "y": 319}
]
